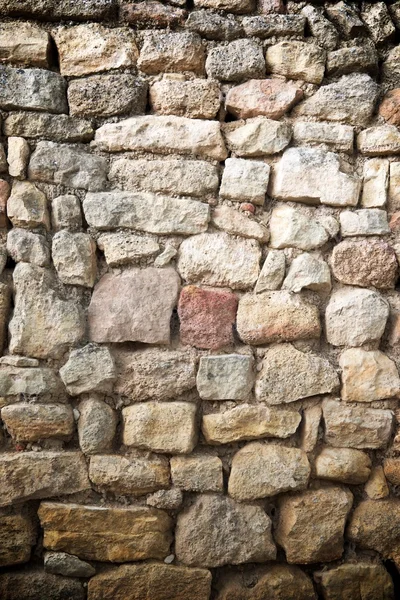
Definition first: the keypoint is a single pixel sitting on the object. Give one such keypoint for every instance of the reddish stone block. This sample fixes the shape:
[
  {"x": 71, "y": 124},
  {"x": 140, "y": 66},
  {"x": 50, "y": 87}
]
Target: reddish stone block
[
  {"x": 152, "y": 14},
  {"x": 4, "y": 194},
  {"x": 207, "y": 317},
  {"x": 394, "y": 223},
  {"x": 267, "y": 7},
  {"x": 390, "y": 107}
]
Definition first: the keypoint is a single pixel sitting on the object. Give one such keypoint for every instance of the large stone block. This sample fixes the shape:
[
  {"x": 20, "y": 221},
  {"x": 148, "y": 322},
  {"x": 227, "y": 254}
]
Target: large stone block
[
  {"x": 365, "y": 263},
  {"x": 24, "y": 44},
  {"x": 197, "y": 473},
  {"x": 297, "y": 60},
  {"x": 360, "y": 580},
  {"x": 225, "y": 377},
  {"x": 57, "y": 128},
  {"x": 74, "y": 258},
  {"x": 78, "y": 10},
  {"x": 344, "y": 465},
  {"x": 164, "y": 52},
  {"x": 236, "y": 61},
  {"x": 32, "y": 89},
  {"x": 36, "y": 584},
  {"x": 32, "y": 422},
  {"x": 332, "y": 136},
  {"x": 245, "y": 180},
  {"x": 270, "y": 98},
  {"x": 17, "y": 535},
  {"x": 291, "y": 228},
  {"x": 30, "y": 382},
  {"x": 258, "y": 136}
]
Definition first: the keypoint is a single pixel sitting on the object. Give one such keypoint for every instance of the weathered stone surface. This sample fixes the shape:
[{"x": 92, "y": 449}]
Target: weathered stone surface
[
  {"x": 390, "y": 67},
  {"x": 355, "y": 316},
  {"x": 19, "y": 361},
  {"x": 4, "y": 194},
  {"x": 32, "y": 422},
  {"x": 96, "y": 426},
  {"x": 66, "y": 213},
  {"x": 214, "y": 26},
  {"x": 124, "y": 247},
  {"x": 260, "y": 471},
  {"x": 215, "y": 530},
  {"x": 350, "y": 100},
  {"x": 389, "y": 108},
  {"x": 152, "y": 14},
  {"x": 310, "y": 422},
  {"x": 375, "y": 184},
  {"x": 175, "y": 176},
  {"x": 356, "y": 426},
  {"x": 106, "y": 534},
  {"x": 276, "y": 316},
  {"x": 379, "y": 141},
  {"x": 333, "y": 136},
  {"x": 365, "y": 263},
  {"x": 270, "y": 98},
  {"x": 291, "y": 228},
  {"x": 77, "y": 10},
  {"x": 134, "y": 305},
  {"x": 376, "y": 487},
  {"x": 17, "y": 156},
  {"x": 238, "y": 60},
  {"x": 394, "y": 187},
  {"x": 361, "y": 58},
  {"x": 70, "y": 166},
  {"x": 131, "y": 475},
  {"x": 61, "y": 563},
  {"x": 225, "y": 377},
  {"x": 90, "y": 48},
  {"x": 27, "y": 206},
  {"x": 107, "y": 95},
  {"x": 236, "y": 223},
  {"x": 378, "y": 22},
  {"x": 196, "y": 98},
  {"x": 311, "y": 524},
  {"x": 32, "y": 89},
  {"x": 272, "y": 272},
  {"x": 88, "y": 369},
  {"x": 313, "y": 176},
  {"x": 369, "y": 221},
  {"x": 391, "y": 468},
  {"x": 344, "y": 465},
  {"x": 308, "y": 272},
  {"x": 257, "y": 137},
  {"x": 5, "y": 305},
  {"x": 197, "y": 473},
  {"x": 30, "y": 475},
  {"x": 232, "y": 6},
  {"x": 74, "y": 257},
  {"x": 24, "y": 44},
  {"x": 297, "y": 60},
  {"x": 163, "y": 135},
  {"x": 58, "y": 128},
  {"x": 168, "y": 428},
  {"x": 166, "y": 52},
  {"x": 18, "y": 535},
  {"x": 249, "y": 422},
  {"x": 288, "y": 375},
  {"x": 151, "y": 581},
  {"x": 245, "y": 180},
  {"x": 34, "y": 584},
  {"x": 207, "y": 317},
  {"x": 25, "y": 246},
  {"x": 360, "y": 580},
  {"x": 368, "y": 376},
  {"x": 39, "y": 299},
  {"x": 154, "y": 373},
  {"x": 29, "y": 381},
  {"x": 346, "y": 18},
  {"x": 274, "y": 25},
  {"x": 166, "y": 499},
  {"x": 321, "y": 28},
  {"x": 219, "y": 259}
]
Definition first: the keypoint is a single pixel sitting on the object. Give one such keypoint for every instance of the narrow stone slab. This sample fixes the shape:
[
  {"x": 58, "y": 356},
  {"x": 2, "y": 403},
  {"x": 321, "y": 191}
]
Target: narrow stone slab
[{"x": 57, "y": 128}]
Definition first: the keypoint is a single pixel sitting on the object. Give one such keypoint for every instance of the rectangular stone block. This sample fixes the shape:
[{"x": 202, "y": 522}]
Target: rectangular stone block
[
  {"x": 24, "y": 44},
  {"x": 77, "y": 10},
  {"x": 164, "y": 52},
  {"x": 334, "y": 136},
  {"x": 57, "y": 128},
  {"x": 32, "y": 89},
  {"x": 17, "y": 535},
  {"x": 32, "y": 422}
]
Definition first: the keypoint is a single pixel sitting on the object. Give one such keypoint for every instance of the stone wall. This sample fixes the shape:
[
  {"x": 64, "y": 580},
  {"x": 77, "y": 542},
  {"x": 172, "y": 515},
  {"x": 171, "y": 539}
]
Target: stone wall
[{"x": 199, "y": 321}]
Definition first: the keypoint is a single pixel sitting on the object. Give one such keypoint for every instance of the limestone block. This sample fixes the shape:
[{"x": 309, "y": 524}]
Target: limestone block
[
  {"x": 27, "y": 206},
  {"x": 236, "y": 61},
  {"x": 125, "y": 247},
  {"x": 168, "y": 52},
  {"x": 225, "y": 377},
  {"x": 359, "y": 579},
  {"x": 365, "y": 263},
  {"x": 258, "y": 136},
  {"x": 197, "y": 473},
  {"x": 196, "y": 98},
  {"x": 25, "y": 246},
  {"x": 57, "y": 128},
  {"x": 368, "y": 375},
  {"x": 308, "y": 272},
  {"x": 97, "y": 425},
  {"x": 375, "y": 183},
  {"x": 236, "y": 223},
  {"x": 291, "y": 228},
  {"x": 245, "y": 180},
  {"x": 18, "y": 535},
  {"x": 74, "y": 257},
  {"x": 88, "y": 369},
  {"x": 344, "y": 465},
  {"x": 272, "y": 272},
  {"x": 17, "y": 156},
  {"x": 332, "y": 135},
  {"x": 32, "y": 422},
  {"x": 32, "y": 89},
  {"x": 24, "y": 44},
  {"x": 297, "y": 60},
  {"x": 66, "y": 213},
  {"x": 270, "y": 98}
]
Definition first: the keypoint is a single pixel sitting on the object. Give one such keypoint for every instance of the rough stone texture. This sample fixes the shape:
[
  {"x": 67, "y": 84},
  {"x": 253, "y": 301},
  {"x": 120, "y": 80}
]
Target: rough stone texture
[
  {"x": 171, "y": 52},
  {"x": 234, "y": 6},
  {"x": 74, "y": 257},
  {"x": 378, "y": 141},
  {"x": 25, "y": 246},
  {"x": 258, "y": 136},
  {"x": 277, "y": 25},
  {"x": 365, "y": 263},
  {"x": 32, "y": 422},
  {"x": 34, "y": 584},
  {"x": 296, "y": 60},
  {"x": 32, "y": 89},
  {"x": 216, "y": 530},
  {"x": 197, "y": 473},
  {"x": 371, "y": 221},
  {"x": 232, "y": 221},
  {"x": 18, "y": 535},
  {"x": 96, "y": 426},
  {"x": 226, "y": 377},
  {"x": 276, "y": 316},
  {"x": 89, "y": 369},
  {"x": 309, "y": 431},
  {"x": 311, "y": 524},
  {"x": 308, "y": 272},
  {"x": 343, "y": 465},
  {"x": 332, "y": 135},
  {"x": 245, "y": 180},
  {"x": 128, "y": 306},
  {"x": 291, "y": 228},
  {"x": 27, "y": 206},
  {"x": 368, "y": 376},
  {"x": 391, "y": 468},
  {"x": 376, "y": 487},
  {"x": 124, "y": 247},
  {"x": 17, "y": 157},
  {"x": 238, "y": 60},
  {"x": 57, "y": 128},
  {"x": 66, "y": 213},
  {"x": 214, "y": 26},
  {"x": 360, "y": 580},
  {"x": 196, "y": 99},
  {"x": 76, "y": 11},
  {"x": 390, "y": 106},
  {"x": 24, "y": 44},
  {"x": 270, "y": 98},
  {"x": 362, "y": 58},
  {"x": 376, "y": 181},
  {"x": 152, "y": 14},
  {"x": 61, "y": 563},
  {"x": 106, "y": 534},
  {"x": 29, "y": 381},
  {"x": 272, "y": 272}
]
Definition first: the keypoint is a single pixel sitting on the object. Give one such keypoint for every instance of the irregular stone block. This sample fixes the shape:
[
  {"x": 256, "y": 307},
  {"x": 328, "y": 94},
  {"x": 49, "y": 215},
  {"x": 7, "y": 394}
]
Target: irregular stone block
[
  {"x": 152, "y": 14},
  {"x": 4, "y": 194},
  {"x": 163, "y": 135},
  {"x": 355, "y": 316},
  {"x": 24, "y": 44},
  {"x": 270, "y": 98},
  {"x": 308, "y": 272},
  {"x": 310, "y": 422},
  {"x": 391, "y": 468},
  {"x": 106, "y": 533},
  {"x": 5, "y": 305},
  {"x": 124, "y": 247},
  {"x": 166, "y": 427},
  {"x": 77, "y": 10},
  {"x": 276, "y": 316},
  {"x": 196, "y": 98},
  {"x": 219, "y": 259},
  {"x": 234, "y": 222},
  {"x": 25, "y": 246},
  {"x": 225, "y": 377},
  {"x": 394, "y": 187},
  {"x": 18, "y": 535},
  {"x": 166, "y": 52},
  {"x": 378, "y": 22},
  {"x": 288, "y": 375},
  {"x": 257, "y": 137},
  {"x": 379, "y": 141},
  {"x": 272, "y": 272},
  {"x": 17, "y": 156},
  {"x": 27, "y": 206},
  {"x": 368, "y": 376},
  {"x": 333, "y": 136},
  {"x": 214, "y": 26},
  {"x": 356, "y": 426},
  {"x": 346, "y": 18},
  {"x": 249, "y": 422},
  {"x": 291, "y": 228},
  {"x": 97, "y": 425},
  {"x": 32, "y": 422},
  {"x": 321, "y": 28},
  {"x": 375, "y": 184},
  {"x": 134, "y": 305},
  {"x": 369, "y": 221},
  {"x": 30, "y": 381},
  {"x": 207, "y": 317},
  {"x": 166, "y": 499},
  {"x": 40, "y": 299},
  {"x": 360, "y": 579},
  {"x": 58, "y": 128},
  {"x": 232, "y": 6},
  {"x": 274, "y": 25},
  {"x": 32, "y": 89},
  {"x": 376, "y": 487},
  {"x": 311, "y": 524},
  {"x": 74, "y": 257},
  {"x": 242, "y": 533},
  {"x": 236, "y": 61},
  {"x": 61, "y": 563},
  {"x": 274, "y": 470},
  {"x": 297, "y": 60},
  {"x": 88, "y": 369},
  {"x": 66, "y": 212},
  {"x": 389, "y": 108},
  {"x": 343, "y": 465},
  {"x": 197, "y": 473},
  {"x": 34, "y": 584},
  {"x": 355, "y": 58},
  {"x": 245, "y": 180},
  {"x": 30, "y": 475}
]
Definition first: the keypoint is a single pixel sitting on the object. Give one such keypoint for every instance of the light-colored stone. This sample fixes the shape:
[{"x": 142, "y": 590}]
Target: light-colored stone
[
  {"x": 249, "y": 422},
  {"x": 375, "y": 183},
  {"x": 368, "y": 376},
  {"x": 236, "y": 61},
  {"x": 24, "y": 44},
  {"x": 214, "y": 26},
  {"x": 314, "y": 176},
  {"x": 154, "y": 374},
  {"x": 29, "y": 381},
  {"x": 379, "y": 141},
  {"x": 291, "y": 228},
  {"x": 145, "y": 211},
  {"x": 66, "y": 213},
  {"x": 134, "y": 305},
  {"x": 376, "y": 487},
  {"x": 57, "y": 128},
  {"x": 274, "y": 25},
  {"x": 356, "y": 426},
  {"x": 308, "y": 272},
  {"x": 74, "y": 257},
  {"x": 225, "y": 377},
  {"x": 297, "y": 60},
  {"x": 166, "y": 52},
  {"x": 173, "y": 176},
  {"x": 276, "y": 316},
  {"x": 96, "y": 426},
  {"x": 215, "y": 531},
  {"x": 18, "y": 535},
  {"x": 219, "y": 259},
  {"x": 196, "y": 99},
  {"x": 288, "y": 375},
  {"x": 19, "y": 361},
  {"x": 39, "y": 299},
  {"x": 17, "y": 156},
  {"x": 33, "y": 89},
  {"x": 333, "y": 136},
  {"x": 360, "y": 580},
  {"x": 310, "y": 427},
  {"x": 344, "y": 465},
  {"x": 262, "y": 97},
  {"x": 163, "y": 135},
  {"x": 32, "y": 422},
  {"x": 258, "y": 136},
  {"x": 30, "y": 475},
  {"x": 129, "y": 475},
  {"x": 90, "y": 48},
  {"x": 245, "y": 180},
  {"x": 236, "y": 223},
  {"x": 272, "y": 272},
  {"x": 165, "y": 257},
  {"x": 321, "y": 28},
  {"x": 61, "y": 563},
  {"x": 311, "y": 524},
  {"x": 111, "y": 534},
  {"x": 25, "y": 246},
  {"x": 5, "y": 305},
  {"x": 394, "y": 187},
  {"x": 263, "y": 470},
  {"x": 355, "y": 316},
  {"x": 88, "y": 369},
  {"x": 197, "y": 473},
  {"x": 232, "y": 6},
  {"x": 369, "y": 221},
  {"x": 391, "y": 468},
  {"x": 124, "y": 247},
  {"x": 27, "y": 206},
  {"x": 169, "y": 428},
  {"x": 379, "y": 24}
]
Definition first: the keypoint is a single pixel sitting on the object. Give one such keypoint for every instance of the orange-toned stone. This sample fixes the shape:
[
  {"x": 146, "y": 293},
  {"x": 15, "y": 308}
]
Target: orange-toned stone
[
  {"x": 152, "y": 14},
  {"x": 390, "y": 107},
  {"x": 207, "y": 317},
  {"x": 268, "y": 97},
  {"x": 394, "y": 222}
]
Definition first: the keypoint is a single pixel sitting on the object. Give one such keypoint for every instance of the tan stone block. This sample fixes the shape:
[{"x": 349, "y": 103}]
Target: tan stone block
[
  {"x": 24, "y": 43},
  {"x": 368, "y": 376},
  {"x": 17, "y": 535},
  {"x": 196, "y": 98},
  {"x": 344, "y": 465},
  {"x": 32, "y": 422},
  {"x": 197, "y": 473}
]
